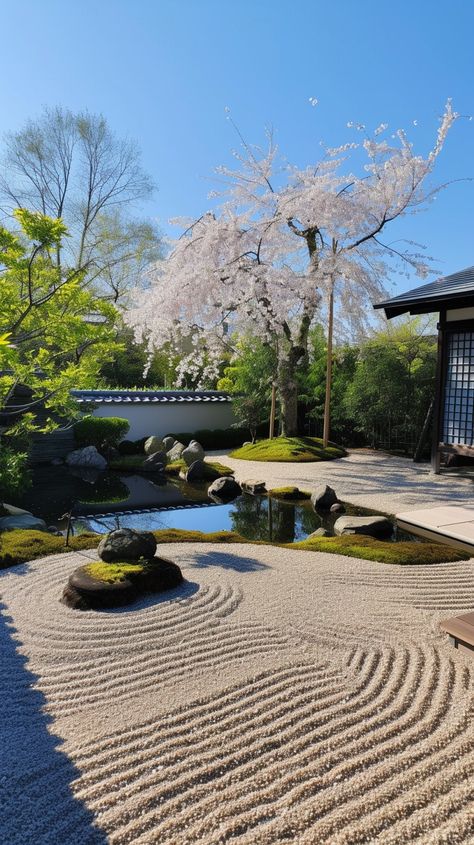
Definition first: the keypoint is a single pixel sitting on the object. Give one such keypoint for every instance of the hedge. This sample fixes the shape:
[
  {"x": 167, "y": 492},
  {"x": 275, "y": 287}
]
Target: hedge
[{"x": 101, "y": 432}]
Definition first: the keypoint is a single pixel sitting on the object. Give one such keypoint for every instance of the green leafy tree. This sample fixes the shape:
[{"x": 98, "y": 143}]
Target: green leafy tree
[
  {"x": 393, "y": 383},
  {"x": 58, "y": 333}
]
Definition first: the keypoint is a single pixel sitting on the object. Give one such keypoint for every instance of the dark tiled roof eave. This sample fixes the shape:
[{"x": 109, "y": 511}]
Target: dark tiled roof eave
[
  {"x": 456, "y": 290},
  {"x": 140, "y": 397}
]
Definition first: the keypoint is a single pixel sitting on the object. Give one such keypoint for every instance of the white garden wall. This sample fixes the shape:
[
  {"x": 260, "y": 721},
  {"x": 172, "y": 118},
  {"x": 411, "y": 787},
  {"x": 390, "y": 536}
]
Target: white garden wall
[{"x": 161, "y": 418}]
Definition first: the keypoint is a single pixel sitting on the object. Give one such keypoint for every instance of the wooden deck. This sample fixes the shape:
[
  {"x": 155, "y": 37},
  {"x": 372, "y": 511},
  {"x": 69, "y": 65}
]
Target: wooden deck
[{"x": 453, "y": 526}]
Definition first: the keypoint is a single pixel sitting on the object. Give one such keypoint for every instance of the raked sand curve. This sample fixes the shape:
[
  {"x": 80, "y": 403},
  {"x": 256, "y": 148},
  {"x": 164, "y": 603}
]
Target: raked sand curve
[{"x": 278, "y": 697}]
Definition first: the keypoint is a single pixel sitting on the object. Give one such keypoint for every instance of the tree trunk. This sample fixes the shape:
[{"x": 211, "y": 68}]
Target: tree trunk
[{"x": 288, "y": 390}]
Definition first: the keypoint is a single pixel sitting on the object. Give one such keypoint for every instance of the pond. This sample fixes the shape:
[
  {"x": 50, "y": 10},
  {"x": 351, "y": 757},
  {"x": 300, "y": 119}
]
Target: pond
[{"x": 102, "y": 501}]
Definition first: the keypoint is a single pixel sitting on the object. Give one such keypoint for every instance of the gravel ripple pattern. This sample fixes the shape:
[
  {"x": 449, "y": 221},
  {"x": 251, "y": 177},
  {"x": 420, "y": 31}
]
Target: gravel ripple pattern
[{"x": 278, "y": 696}]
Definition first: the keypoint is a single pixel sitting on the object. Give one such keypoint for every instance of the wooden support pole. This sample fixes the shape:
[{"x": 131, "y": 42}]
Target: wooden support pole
[
  {"x": 327, "y": 400},
  {"x": 272, "y": 412}
]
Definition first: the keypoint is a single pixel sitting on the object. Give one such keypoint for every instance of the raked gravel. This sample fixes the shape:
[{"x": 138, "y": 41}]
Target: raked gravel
[
  {"x": 367, "y": 478},
  {"x": 277, "y": 697}
]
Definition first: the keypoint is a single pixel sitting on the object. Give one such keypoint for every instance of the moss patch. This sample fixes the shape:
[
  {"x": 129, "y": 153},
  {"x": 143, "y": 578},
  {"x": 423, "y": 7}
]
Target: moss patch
[
  {"x": 20, "y": 546},
  {"x": 289, "y": 494},
  {"x": 178, "y": 535},
  {"x": 291, "y": 449},
  {"x": 407, "y": 553},
  {"x": 110, "y": 573}
]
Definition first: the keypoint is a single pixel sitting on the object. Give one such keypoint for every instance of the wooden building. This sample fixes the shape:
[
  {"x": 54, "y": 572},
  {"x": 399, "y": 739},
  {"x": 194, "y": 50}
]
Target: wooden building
[{"x": 452, "y": 297}]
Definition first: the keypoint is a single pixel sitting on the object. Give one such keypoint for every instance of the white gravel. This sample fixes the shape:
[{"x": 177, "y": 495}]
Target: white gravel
[
  {"x": 278, "y": 697},
  {"x": 367, "y": 478}
]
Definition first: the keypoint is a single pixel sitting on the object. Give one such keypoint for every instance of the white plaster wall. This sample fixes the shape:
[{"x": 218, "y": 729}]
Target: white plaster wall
[{"x": 163, "y": 418}]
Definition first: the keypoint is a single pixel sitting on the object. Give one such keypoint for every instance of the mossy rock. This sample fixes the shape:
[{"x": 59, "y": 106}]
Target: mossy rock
[
  {"x": 100, "y": 585},
  {"x": 289, "y": 494},
  {"x": 289, "y": 449}
]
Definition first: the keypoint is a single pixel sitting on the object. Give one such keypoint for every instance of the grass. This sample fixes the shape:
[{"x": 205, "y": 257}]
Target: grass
[
  {"x": 291, "y": 449},
  {"x": 212, "y": 470},
  {"x": 382, "y": 551},
  {"x": 289, "y": 494},
  {"x": 110, "y": 573},
  {"x": 21, "y": 546}
]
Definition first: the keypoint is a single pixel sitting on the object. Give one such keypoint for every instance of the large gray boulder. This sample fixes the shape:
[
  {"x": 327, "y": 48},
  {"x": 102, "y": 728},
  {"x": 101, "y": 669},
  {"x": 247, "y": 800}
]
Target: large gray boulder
[
  {"x": 153, "y": 445},
  {"x": 373, "y": 526},
  {"x": 25, "y": 521},
  {"x": 196, "y": 472},
  {"x": 86, "y": 457},
  {"x": 127, "y": 544},
  {"x": 174, "y": 454},
  {"x": 193, "y": 452},
  {"x": 224, "y": 489},
  {"x": 323, "y": 497},
  {"x": 155, "y": 462},
  {"x": 168, "y": 443}
]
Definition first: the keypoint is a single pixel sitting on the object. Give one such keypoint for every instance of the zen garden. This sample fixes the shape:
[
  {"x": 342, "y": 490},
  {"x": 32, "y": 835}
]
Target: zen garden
[{"x": 236, "y": 442}]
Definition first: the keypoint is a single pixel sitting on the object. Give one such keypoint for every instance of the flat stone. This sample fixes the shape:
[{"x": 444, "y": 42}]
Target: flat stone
[
  {"x": 373, "y": 526},
  {"x": 323, "y": 497},
  {"x": 83, "y": 592},
  {"x": 254, "y": 487}
]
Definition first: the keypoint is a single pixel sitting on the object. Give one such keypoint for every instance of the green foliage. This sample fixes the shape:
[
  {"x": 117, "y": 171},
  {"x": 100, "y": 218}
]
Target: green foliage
[
  {"x": 126, "y": 370},
  {"x": 293, "y": 449},
  {"x": 59, "y": 333},
  {"x": 217, "y": 438},
  {"x": 250, "y": 412},
  {"x": 20, "y": 546},
  {"x": 289, "y": 494},
  {"x": 14, "y": 474},
  {"x": 101, "y": 432},
  {"x": 251, "y": 375},
  {"x": 393, "y": 382}
]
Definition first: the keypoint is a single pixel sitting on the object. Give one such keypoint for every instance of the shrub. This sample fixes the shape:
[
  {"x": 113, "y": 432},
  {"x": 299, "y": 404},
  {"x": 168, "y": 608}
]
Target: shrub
[
  {"x": 14, "y": 473},
  {"x": 101, "y": 432}
]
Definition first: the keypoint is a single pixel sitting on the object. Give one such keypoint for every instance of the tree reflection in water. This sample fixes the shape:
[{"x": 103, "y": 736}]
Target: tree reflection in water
[{"x": 262, "y": 518}]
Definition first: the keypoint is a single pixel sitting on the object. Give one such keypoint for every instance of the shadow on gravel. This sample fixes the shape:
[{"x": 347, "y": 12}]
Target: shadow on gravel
[
  {"x": 38, "y": 806},
  {"x": 228, "y": 561}
]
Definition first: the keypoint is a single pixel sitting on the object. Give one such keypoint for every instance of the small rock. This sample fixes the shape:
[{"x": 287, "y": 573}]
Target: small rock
[
  {"x": 86, "y": 457},
  {"x": 373, "y": 526},
  {"x": 320, "y": 532},
  {"x": 224, "y": 489},
  {"x": 337, "y": 507},
  {"x": 153, "y": 445},
  {"x": 255, "y": 487},
  {"x": 196, "y": 472},
  {"x": 193, "y": 452},
  {"x": 127, "y": 544},
  {"x": 174, "y": 454},
  {"x": 323, "y": 497}
]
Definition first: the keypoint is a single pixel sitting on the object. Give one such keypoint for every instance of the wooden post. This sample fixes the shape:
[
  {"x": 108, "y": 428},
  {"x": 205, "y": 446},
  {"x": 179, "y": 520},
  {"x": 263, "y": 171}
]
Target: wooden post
[
  {"x": 439, "y": 397},
  {"x": 327, "y": 400},
  {"x": 272, "y": 412}
]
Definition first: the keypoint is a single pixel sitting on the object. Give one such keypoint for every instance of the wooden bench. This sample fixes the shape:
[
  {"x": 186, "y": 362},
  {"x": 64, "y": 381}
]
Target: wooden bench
[{"x": 461, "y": 631}]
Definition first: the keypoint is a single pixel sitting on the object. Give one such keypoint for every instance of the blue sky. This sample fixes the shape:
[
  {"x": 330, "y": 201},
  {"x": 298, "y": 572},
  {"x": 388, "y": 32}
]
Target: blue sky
[{"x": 163, "y": 73}]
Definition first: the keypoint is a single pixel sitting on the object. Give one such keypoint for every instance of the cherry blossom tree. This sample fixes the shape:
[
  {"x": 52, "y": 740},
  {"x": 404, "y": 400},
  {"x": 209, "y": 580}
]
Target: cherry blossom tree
[{"x": 283, "y": 242}]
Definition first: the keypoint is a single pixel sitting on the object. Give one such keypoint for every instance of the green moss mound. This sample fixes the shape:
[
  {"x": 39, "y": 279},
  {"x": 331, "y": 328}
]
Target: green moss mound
[
  {"x": 291, "y": 449},
  {"x": 407, "y": 553},
  {"x": 110, "y": 573},
  {"x": 179, "y": 535},
  {"x": 289, "y": 494},
  {"x": 21, "y": 546}
]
